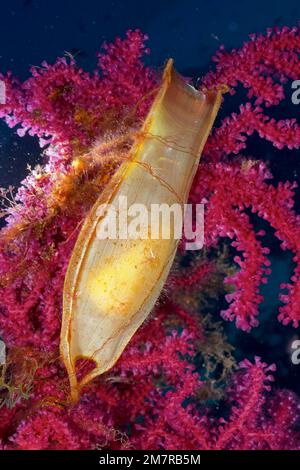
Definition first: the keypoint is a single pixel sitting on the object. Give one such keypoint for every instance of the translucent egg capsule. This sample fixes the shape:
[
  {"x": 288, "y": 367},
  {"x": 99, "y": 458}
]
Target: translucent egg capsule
[{"x": 113, "y": 282}]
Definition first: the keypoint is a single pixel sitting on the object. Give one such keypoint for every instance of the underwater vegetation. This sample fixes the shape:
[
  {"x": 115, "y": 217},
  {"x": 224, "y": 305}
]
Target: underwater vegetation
[{"x": 177, "y": 384}]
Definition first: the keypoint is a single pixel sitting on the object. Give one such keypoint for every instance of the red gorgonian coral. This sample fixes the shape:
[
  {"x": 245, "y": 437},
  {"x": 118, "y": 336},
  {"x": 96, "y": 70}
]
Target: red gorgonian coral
[{"x": 156, "y": 397}]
